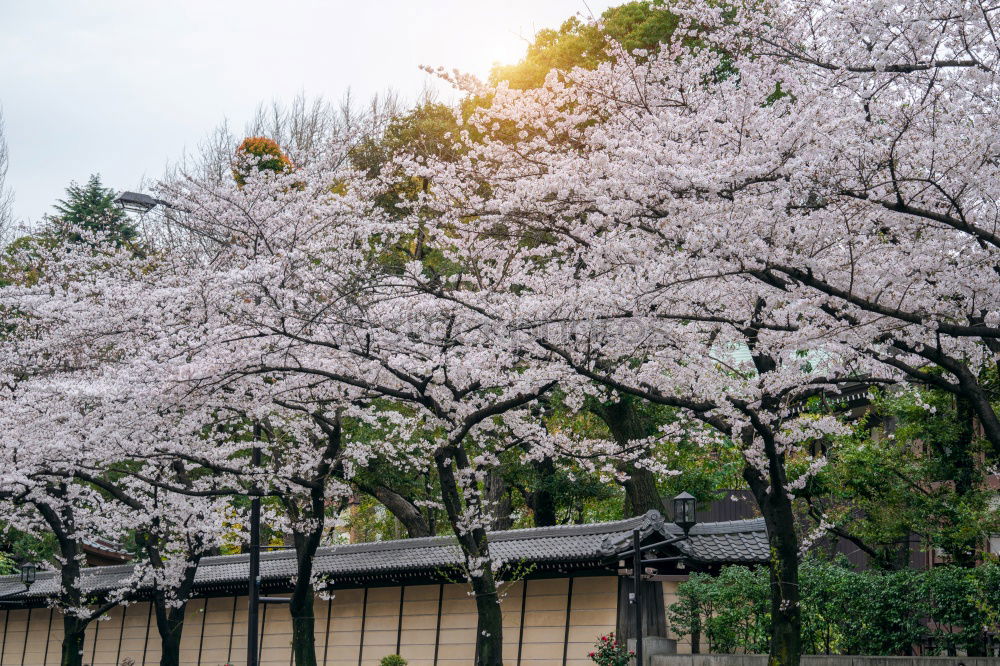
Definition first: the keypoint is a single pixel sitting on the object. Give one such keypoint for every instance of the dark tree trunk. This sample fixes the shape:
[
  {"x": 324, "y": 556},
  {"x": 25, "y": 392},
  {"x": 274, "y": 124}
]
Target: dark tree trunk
[
  {"x": 303, "y": 626},
  {"x": 74, "y": 630},
  {"x": 402, "y": 508},
  {"x": 301, "y": 604},
  {"x": 783, "y": 564},
  {"x": 499, "y": 501},
  {"x": 170, "y": 625},
  {"x": 769, "y": 489},
  {"x": 63, "y": 525},
  {"x": 543, "y": 504},
  {"x": 170, "y": 618},
  {"x": 627, "y": 423},
  {"x": 641, "y": 494},
  {"x": 475, "y": 548},
  {"x": 963, "y": 468},
  {"x": 489, "y": 628}
]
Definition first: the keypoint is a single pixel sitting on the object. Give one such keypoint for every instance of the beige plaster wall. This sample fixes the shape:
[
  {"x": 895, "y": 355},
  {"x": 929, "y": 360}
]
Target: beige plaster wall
[{"x": 215, "y": 629}]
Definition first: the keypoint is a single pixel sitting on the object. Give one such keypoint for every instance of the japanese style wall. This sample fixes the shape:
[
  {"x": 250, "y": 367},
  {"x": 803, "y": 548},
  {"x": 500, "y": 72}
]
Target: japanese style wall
[
  {"x": 556, "y": 622},
  {"x": 389, "y": 599}
]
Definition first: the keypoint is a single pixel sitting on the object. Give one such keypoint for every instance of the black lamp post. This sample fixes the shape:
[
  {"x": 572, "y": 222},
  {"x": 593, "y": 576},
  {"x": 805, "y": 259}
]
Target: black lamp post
[
  {"x": 684, "y": 506},
  {"x": 254, "y": 598}
]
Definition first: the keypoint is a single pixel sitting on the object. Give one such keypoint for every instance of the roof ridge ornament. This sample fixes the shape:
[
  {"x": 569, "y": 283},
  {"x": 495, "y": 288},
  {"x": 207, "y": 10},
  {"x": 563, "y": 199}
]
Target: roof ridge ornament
[{"x": 649, "y": 522}]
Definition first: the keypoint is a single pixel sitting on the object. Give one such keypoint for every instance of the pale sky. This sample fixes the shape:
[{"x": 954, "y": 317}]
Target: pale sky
[{"x": 122, "y": 87}]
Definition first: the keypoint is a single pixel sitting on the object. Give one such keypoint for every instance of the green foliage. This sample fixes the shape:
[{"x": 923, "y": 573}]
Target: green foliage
[
  {"x": 392, "y": 660},
  {"x": 913, "y": 465},
  {"x": 91, "y": 207},
  {"x": 731, "y": 610},
  {"x": 427, "y": 131},
  {"x": 610, "y": 652},
  {"x": 7, "y": 564},
  {"x": 845, "y": 611},
  {"x": 21, "y": 546},
  {"x": 577, "y": 43}
]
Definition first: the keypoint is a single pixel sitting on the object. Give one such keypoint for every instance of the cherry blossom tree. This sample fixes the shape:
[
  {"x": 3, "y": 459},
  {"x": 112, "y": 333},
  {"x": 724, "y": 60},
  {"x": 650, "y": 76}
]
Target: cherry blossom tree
[
  {"x": 82, "y": 438},
  {"x": 790, "y": 200},
  {"x": 300, "y": 311}
]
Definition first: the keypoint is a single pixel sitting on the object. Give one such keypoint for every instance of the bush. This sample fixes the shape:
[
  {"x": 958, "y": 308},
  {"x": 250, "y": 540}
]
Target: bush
[
  {"x": 393, "y": 660},
  {"x": 845, "y": 611},
  {"x": 609, "y": 652},
  {"x": 729, "y": 611}
]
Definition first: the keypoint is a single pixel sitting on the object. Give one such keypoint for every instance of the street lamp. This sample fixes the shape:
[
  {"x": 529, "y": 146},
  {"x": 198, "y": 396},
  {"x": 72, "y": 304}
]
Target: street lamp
[
  {"x": 684, "y": 509},
  {"x": 137, "y": 202},
  {"x": 27, "y": 577},
  {"x": 684, "y": 517}
]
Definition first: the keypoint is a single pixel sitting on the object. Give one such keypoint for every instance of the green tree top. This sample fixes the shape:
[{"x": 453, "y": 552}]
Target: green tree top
[
  {"x": 635, "y": 25},
  {"x": 91, "y": 207}
]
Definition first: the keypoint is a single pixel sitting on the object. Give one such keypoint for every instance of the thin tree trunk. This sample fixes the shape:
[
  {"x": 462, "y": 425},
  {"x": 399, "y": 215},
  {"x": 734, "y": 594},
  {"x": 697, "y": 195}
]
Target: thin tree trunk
[
  {"x": 962, "y": 464},
  {"x": 475, "y": 548}
]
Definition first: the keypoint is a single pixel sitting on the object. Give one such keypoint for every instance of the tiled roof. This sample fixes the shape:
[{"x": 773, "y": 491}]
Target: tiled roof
[{"x": 740, "y": 541}]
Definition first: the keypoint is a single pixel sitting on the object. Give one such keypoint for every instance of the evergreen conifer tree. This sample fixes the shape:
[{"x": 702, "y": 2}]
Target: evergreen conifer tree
[{"x": 91, "y": 207}]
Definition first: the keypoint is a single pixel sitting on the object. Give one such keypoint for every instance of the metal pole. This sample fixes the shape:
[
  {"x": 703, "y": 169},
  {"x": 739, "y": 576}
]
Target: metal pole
[
  {"x": 254, "y": 591},
  {"x": 637, "y": 575}
]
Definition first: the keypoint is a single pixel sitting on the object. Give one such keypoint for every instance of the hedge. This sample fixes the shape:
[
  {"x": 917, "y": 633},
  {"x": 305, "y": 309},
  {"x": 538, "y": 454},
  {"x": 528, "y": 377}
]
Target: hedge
[{"x": 945, "y": 610}]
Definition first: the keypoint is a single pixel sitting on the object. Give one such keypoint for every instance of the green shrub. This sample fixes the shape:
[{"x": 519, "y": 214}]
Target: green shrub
[
  {"x": 844, "y": 611},
  {"x": 393, "y": 660}
]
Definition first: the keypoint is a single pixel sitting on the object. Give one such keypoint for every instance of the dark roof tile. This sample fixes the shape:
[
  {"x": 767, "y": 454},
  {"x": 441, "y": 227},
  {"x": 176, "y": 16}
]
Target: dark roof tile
[{"x": 740, "y": 541}]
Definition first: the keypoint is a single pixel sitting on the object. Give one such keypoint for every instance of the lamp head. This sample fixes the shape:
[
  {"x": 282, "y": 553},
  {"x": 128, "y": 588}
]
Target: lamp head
[
  {"x": 684, "y": 511},
  {"x": 28, "y": 573}
]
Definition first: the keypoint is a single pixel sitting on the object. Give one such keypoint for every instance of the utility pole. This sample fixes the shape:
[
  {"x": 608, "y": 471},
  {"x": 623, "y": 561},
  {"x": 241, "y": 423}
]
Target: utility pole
[
  {"x": 684, "y": 518},
  {"x": 637, "y": 595},
  {"x": 254, "y": 593},
  {"x": 253, "y": 596}
]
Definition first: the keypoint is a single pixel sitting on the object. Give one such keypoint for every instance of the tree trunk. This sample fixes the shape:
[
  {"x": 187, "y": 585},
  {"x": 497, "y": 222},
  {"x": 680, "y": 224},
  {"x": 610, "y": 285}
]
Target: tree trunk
[
  {"x": 489, "y": 628},
  {"x": 301, "y": 604},
  {"x": 641, "y": 493},
  {"x": 170, "y": 624},
  {"x": 303, "y": 626},
  {"x": 543, "y": 504},
  {"x": 475, "y": 548},
  {"x": 498, "y": 501},
  {"x": 627, "y": 424},
  {"x": 61, "y": 522},
  {"x": 962, "y": 464},
  {"x": 74, "y": 630},
  {"x": 402, "y": 508},
  {"x": 783, "y": 564}
]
